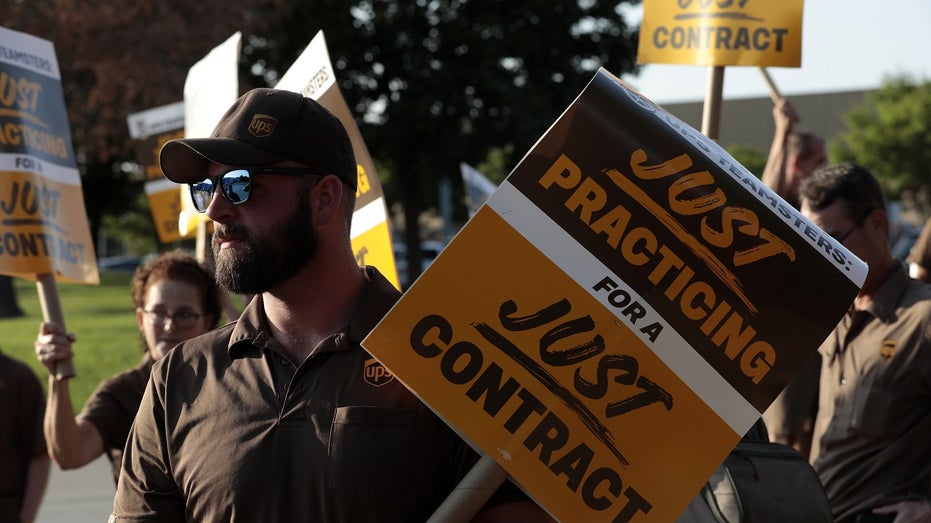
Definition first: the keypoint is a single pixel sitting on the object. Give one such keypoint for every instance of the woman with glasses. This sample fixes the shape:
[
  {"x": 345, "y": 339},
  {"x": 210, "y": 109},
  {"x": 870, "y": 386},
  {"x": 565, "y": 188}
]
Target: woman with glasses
[{"x": 175, "y": 299}]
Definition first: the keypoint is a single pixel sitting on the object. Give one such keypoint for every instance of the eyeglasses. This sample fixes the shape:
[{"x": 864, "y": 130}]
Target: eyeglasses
[
  {"x": 840, "y": 239},
  {"x": 180, "y": 319},
  {"x": 236, "y": 184}
]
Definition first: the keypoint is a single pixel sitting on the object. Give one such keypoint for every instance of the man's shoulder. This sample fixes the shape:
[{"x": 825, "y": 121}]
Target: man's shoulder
[
  {"x": 917, "y": 294},
  {"x": 207, "y": 346},
  {"x": 17, "y": 371},
  {"x": 913, "y": 307},
  {"x": 134, "y": 376}
]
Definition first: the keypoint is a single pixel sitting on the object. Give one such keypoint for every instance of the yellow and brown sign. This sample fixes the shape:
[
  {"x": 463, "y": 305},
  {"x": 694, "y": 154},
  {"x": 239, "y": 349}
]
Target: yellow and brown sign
[
  {"x": 312, "y": 75},
  {"x": 151, "y": 129},
  {"x": 43, "y": 224},
  {"x": 721, "y": 32},
  {"x": 635, "y": 310}
]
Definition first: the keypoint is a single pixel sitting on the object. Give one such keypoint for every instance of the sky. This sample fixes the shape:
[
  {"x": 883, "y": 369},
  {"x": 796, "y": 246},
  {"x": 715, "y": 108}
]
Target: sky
[{"x": 846, "y": 45}]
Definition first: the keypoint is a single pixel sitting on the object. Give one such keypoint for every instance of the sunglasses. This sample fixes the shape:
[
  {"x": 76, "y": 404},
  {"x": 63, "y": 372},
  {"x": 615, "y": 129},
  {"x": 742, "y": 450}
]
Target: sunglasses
[
  {"x": 859, "y": 223},
  {"x": 236, "y": 184}
]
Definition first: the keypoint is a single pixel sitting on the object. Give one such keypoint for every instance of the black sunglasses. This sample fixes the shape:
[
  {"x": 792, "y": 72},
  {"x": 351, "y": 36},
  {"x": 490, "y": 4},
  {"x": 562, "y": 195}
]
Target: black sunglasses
[
  {"x": 859, "y": 223},
  {"x": 236, "y": 184}
]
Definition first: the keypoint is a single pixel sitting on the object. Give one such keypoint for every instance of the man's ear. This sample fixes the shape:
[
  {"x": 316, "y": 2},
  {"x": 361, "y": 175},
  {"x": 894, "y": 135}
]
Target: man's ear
[
  {"x": 326, "y": 196},
  {"x": 878, "y": 220}
]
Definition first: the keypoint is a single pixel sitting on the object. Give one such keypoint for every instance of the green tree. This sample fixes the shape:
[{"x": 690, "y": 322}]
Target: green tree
[
  {"x": 9, "y": 306},
  {"x": 891, "y": 136},
  {"x": 751, "y": 157},
  {"x": 116, "y": 59},
  {"x": 119, "y": 58},
  {"x": 438, "y": 82},
  {"x": 433, "y": 82}
]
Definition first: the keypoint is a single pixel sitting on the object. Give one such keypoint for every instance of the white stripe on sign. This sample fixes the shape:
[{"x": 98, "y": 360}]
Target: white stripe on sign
[
  {"x": 367, "y": 217},
  {"x": 580, "y": 265},
  {"x": 12, "y": 162},
  {"x": 162, "y": 185}
]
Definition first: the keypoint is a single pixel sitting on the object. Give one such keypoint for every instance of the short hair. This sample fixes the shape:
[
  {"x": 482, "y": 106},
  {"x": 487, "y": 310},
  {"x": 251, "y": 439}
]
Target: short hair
[
  {"x": 177, "y": 265},
  {"x": 854, "y": 186},
  {"x": 800, "y": 144}
]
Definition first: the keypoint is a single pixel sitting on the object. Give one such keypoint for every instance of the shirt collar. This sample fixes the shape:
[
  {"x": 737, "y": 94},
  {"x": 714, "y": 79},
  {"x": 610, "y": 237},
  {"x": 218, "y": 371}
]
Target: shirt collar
[
  {"x": 378, "y": 297},
  {"x": 884, "y": 302}
]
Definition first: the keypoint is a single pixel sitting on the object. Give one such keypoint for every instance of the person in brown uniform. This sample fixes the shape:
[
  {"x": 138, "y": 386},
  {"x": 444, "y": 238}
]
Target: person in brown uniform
[
  {"x": 871, "y": 440},
  {"x": 280, "y": 416},
  {"x": 175, "y": 299},
  {"x": 24, "y": 463},
  {"x": 793, "y": 156}
]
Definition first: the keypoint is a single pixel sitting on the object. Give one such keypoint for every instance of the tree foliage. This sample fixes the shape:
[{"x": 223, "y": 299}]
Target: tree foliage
[
  {"x": 751, "y": 157},
  {"x": 437, "y": 82},
  {"x": 891, "y": 136},
  {"x": 433, "y": 82},
  {"x": 117, "y": 58},
  {"x": 9, "y": 307}
]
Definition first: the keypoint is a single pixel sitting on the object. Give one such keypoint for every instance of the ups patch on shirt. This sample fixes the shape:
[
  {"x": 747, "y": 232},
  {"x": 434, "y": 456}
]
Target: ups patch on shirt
[
  {"x": 375, "y": 374},
  {"x": 887, "y": 349}
]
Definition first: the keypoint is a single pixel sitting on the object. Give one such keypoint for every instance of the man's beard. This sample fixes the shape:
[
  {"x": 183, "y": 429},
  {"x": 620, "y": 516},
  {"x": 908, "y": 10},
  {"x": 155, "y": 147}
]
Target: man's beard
[{"x": 261, "y": 264}]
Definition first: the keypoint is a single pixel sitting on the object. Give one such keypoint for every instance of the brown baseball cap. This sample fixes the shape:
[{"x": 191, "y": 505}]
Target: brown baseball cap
[{"x": 265, "y": 126}]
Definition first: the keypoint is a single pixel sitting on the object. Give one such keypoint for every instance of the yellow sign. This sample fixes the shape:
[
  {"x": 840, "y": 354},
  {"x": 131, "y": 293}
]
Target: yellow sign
[
  {"x": 312, "y": 75},
  {"x": 151, "y": 129},
  {"x": 631, "y": 324},
  {"x": 43, "y": 224},
  {"x": 721, "y": 32}
]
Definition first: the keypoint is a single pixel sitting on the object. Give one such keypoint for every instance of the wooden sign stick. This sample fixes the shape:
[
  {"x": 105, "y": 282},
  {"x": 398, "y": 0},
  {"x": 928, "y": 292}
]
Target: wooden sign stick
[
  {"x": 51, "y": 311},
  {"x": 773, "y": 91}
]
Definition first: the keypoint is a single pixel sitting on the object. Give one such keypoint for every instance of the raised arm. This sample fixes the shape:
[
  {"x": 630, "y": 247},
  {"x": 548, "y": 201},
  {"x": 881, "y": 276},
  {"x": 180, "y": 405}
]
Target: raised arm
[
  {"x": 72, "y": 442},
  {"x": 774, "y": 174}
]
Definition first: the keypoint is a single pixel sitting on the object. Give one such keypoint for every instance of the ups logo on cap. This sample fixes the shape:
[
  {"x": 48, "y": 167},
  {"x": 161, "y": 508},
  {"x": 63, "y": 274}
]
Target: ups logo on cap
[
  {"x": 375, "y": 374},
  {"x": 262, "y": 125}
]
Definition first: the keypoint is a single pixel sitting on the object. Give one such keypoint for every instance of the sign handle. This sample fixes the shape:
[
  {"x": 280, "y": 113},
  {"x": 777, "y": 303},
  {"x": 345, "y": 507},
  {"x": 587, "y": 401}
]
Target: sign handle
[
  {"x": 202, "y": 242},
  {"x": 773, "y": 90},
  {"x": 470, "y": 495},
  {"x": 711, "y": 116},
  {"x": 51, "y": 311}
]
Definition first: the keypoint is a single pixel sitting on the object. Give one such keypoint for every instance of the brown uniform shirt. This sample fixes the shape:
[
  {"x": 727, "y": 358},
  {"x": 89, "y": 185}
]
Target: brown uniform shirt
[
  {"x": 230, "y": 430},
  {"x": 22, "y": 406},
  {"x": 872, "y": 440},
  {"x": 112, "y": 408}
]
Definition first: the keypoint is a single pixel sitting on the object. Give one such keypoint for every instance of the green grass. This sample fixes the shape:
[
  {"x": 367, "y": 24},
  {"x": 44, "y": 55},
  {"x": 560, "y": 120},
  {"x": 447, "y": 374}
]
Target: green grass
[{"x": 101, "y": 317}]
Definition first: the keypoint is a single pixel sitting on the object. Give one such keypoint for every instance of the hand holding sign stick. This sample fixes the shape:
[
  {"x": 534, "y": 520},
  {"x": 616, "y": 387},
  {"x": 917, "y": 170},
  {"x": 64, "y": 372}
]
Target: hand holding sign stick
[{"x": 51, "y": 311}]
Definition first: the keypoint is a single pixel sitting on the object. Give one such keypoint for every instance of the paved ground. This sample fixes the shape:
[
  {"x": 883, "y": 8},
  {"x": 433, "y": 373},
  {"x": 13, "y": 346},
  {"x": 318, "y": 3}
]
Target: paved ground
[{"x": 78, "y": 496}]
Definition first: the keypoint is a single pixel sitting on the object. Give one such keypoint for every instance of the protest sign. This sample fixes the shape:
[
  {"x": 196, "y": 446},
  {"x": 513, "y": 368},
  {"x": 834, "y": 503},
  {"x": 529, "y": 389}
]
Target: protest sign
[
  {"x": 45, "y": 234},
  {"x": 477, "y": 187},
  {"x": 312, "y": 75},
  {"x": 41, "y": 204},
  {"x": 721, "y": 32},
  {"x": 619, "y": 313},
  {"x": 210, "y": 88},
  {"x": 151, "y": 129}
]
